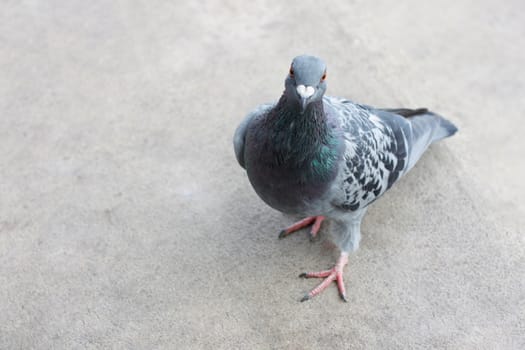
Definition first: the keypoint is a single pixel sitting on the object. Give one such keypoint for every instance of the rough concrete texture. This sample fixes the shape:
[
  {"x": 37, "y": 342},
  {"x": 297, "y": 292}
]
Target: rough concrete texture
[{"x": 126, "y": 223}]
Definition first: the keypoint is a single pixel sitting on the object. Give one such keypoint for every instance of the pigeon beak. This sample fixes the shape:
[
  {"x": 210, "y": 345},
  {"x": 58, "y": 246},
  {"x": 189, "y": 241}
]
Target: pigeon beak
[{"x": 305, "y": 92}]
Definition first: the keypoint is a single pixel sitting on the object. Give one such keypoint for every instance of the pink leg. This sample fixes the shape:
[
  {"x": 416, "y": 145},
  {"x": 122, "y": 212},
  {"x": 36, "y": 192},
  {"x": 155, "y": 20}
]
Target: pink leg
[
  {"x": 334, "y": 274},
  {"x": 315, "y": 220}
]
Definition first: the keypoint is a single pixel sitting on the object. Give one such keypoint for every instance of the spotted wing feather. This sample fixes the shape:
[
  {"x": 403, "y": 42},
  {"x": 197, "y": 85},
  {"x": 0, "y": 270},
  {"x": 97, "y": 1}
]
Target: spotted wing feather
[{"x": 376, "y": 152}]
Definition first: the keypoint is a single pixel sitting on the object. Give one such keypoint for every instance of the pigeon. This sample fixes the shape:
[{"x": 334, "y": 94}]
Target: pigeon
[{"x": 328, "y": 158}]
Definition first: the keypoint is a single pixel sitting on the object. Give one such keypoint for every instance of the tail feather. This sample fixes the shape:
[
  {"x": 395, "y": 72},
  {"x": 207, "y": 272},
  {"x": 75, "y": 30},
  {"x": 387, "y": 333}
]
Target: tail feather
[
  {"x": 447, "y": 127},
  {"x": 406, "y": 112},
  {"x": 427, "y": 128},
  {"x": 441, "y": 127}
]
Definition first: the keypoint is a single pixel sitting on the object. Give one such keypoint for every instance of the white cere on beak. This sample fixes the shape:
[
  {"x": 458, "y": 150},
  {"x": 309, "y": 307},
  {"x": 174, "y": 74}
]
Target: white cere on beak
[{"x": 305, "y": 91}]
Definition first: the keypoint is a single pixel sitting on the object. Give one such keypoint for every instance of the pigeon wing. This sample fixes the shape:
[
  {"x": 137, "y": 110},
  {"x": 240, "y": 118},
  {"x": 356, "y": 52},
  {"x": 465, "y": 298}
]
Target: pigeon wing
[
  {"x": 240, "y": 133},
  {"x": 381, "y": 146},
  {"x": 375, "y": 156}
]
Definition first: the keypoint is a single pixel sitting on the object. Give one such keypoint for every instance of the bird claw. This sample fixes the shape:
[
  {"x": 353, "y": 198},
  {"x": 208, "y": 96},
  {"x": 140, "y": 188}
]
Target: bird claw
[
  {"x": 305, "y": 297},
  {"x": 314, "y": 237},
  {"x": 334, "y": 274},
  {"x": 315, "y": 221}
]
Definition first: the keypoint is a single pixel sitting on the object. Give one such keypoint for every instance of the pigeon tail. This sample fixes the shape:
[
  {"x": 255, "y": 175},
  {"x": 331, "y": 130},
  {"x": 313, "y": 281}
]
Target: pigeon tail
[
  {"x": 441, "y": 127},
  {"x": 446, "y": 127},
  {"x": 427, "y": 128}
]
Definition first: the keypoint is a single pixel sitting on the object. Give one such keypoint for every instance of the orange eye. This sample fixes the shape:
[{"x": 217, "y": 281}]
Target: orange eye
[
  {"x": 323, "y": 77},
  {"x": 291, "y": 71}
]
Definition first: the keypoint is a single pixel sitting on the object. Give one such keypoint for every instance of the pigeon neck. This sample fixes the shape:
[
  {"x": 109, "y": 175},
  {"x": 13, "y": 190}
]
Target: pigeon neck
[{"x": 305, "y": 141}]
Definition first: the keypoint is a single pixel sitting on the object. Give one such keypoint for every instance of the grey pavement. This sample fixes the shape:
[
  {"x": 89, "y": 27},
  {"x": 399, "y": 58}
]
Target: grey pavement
[{"x": 126, "y": 223}]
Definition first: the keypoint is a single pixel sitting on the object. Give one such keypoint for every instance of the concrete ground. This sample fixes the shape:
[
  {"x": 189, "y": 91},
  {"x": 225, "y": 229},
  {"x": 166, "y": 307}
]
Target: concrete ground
[{"x": 126, "y": 223}]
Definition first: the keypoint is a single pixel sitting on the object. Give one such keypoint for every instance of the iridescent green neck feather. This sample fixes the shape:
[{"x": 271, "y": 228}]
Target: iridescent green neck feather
[{"x": 303, "y": 143}]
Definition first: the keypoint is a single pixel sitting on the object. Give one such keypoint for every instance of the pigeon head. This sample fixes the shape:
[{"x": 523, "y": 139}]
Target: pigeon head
[{"x": 305, "y": 82}]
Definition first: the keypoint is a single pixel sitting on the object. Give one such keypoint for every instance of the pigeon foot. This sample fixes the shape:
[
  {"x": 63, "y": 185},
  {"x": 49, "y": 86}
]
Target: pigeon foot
[
  {"x": 315, "y": 221},
  {"x": 334, "y": 274}
]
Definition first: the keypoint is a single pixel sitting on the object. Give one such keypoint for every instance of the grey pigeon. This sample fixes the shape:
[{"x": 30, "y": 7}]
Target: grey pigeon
[{"x": 329, "y": 158}]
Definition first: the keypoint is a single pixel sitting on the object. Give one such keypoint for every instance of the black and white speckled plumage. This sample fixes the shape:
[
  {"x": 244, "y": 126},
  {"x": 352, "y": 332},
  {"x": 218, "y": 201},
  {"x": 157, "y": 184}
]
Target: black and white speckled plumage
[{"x": 376, "y": 152}]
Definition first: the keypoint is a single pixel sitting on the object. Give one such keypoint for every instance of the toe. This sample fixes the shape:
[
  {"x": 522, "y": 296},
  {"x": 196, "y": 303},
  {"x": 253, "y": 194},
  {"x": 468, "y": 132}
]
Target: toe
[{"x": 314, "y": 237}]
